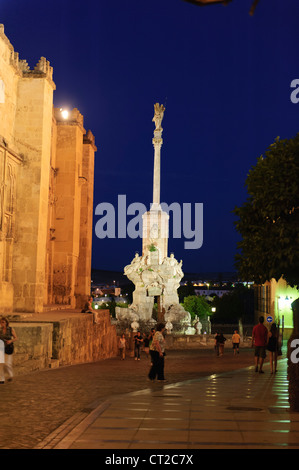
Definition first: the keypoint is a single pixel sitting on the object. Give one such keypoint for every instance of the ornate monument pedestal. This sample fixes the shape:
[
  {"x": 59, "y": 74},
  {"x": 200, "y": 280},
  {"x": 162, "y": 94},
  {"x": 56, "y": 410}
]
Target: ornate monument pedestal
[
  {"x": 158, "y": 282},
  {"x": 156, "y": 275}
]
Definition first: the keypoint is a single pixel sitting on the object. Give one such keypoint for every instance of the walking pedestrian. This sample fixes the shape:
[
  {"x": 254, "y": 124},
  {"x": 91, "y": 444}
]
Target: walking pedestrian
[
  {"x": 236, "y": 338},
  {"x": 8, "y": 336},
  {"x": 122, "y": 344},
  {"x": 259, "y": 341},
  {"x": 272, "y": 347},
  {"x": 146, "y": 344},
  {"x": 151, "y": 336},
  {"x": 216, "y": 344},
  {"x": 137, "y": 345},
  {"x": 158, "y": 353},
  {"x": 220, "y": 340}
]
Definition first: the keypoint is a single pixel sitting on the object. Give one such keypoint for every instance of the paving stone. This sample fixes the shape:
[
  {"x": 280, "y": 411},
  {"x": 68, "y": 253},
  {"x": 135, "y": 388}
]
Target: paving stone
[{"x": 34, "y": 405}]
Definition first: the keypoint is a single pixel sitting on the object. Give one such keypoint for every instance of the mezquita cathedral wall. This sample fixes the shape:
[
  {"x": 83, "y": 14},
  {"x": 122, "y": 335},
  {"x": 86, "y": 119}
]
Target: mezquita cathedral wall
[{"x": 46, "y": 191}]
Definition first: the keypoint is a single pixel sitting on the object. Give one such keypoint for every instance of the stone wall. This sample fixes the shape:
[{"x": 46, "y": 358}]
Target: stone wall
[
  {"x": 179, "y": 342},
  {"x": 200, "y": 341},
  {"x": 79, "y": 340},
  {"x": 69, "y": 341},
  {"x": 33, "y": 350}
]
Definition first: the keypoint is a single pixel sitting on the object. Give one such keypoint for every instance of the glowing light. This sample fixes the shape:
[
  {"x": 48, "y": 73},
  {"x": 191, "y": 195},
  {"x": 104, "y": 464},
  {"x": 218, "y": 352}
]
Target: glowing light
[
  {"x": 284, "y": 310},
  {"x": 64, "y": 113}
]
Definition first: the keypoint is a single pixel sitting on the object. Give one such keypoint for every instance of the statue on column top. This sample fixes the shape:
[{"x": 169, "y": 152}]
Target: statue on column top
[{"x": 158, "y": 117}]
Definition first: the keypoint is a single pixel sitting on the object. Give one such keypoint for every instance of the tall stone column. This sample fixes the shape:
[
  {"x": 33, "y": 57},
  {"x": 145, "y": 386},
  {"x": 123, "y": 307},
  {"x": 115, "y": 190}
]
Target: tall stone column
[
  {"x": 155, "y": 221},
  {"x": 157, "y": 143},
  {"x": 69, "y": 183},
  {"x": 154, "y": 274},
  {"x": 85, "y": 249},
  {"x": 32, "y": 134}
]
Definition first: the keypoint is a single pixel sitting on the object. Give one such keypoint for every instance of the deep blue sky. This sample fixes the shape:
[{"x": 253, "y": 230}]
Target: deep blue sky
[{"x": 223, "y": 76}]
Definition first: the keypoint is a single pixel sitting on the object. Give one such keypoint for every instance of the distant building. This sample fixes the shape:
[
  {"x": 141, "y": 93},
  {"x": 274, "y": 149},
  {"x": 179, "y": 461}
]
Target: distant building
[
  {"x": 100, "y": 290},
  {"x": 211, "y": 292},
  {"x": 99, "y": 302},
  {"x": 46, "y": 191}
]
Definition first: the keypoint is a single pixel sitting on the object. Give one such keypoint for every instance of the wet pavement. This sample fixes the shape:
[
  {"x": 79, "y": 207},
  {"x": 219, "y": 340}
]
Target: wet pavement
[{"x": 208, "y": 402}]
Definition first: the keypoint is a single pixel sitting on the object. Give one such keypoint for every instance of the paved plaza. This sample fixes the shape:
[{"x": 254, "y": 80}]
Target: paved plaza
[{"x": 208, "y": 402}]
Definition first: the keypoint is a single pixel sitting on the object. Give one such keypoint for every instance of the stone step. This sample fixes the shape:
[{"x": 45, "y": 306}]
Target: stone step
[
  {"x": 52, "y": 307},
  {"x": 54, "y": 364},
  {"x": 29, "y": 366}
]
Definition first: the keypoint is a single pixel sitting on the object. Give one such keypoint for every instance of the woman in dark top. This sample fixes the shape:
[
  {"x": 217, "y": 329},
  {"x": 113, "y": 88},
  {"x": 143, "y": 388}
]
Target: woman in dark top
[
  {"x": 219, "y": 343},
  {"x": 272, "y": 346}
]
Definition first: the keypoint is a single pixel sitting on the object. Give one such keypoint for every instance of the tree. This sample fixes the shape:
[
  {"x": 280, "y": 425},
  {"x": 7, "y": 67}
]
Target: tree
[
  {"x": 235, "y": 305},
  {"x": 197, "y": 305},
  {"x": 185, "y": 291},
  {"x": 269, "y": 219}
]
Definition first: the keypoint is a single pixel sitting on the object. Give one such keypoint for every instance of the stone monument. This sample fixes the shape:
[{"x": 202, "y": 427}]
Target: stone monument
[{"x": 156, "y": 275}]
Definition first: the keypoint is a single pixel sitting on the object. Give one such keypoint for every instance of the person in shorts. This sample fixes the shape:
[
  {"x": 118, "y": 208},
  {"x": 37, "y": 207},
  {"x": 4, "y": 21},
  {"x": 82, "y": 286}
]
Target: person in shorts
[
  {"x": 236, "y": 342},
  {"x": 259, "y": 340}
]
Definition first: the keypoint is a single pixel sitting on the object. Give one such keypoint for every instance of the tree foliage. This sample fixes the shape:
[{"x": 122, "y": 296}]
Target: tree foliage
[
  {"x": 269, "y": 220},
  {"x": 186, "y": 290},
  {"x": 235, "y": 305},
  {"x": 197, "y": 305}
]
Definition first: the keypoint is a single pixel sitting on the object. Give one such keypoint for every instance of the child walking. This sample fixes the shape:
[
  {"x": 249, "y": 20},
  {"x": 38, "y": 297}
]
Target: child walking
[{"x": 122, "y": 347}]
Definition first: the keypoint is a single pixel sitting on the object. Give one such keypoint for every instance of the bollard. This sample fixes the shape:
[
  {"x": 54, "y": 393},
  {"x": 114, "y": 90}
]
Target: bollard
[{"x": 293, "y": 362}]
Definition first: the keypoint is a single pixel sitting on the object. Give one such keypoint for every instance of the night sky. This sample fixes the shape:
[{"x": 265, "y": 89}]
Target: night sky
[{"x": 223, "y": 76}]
